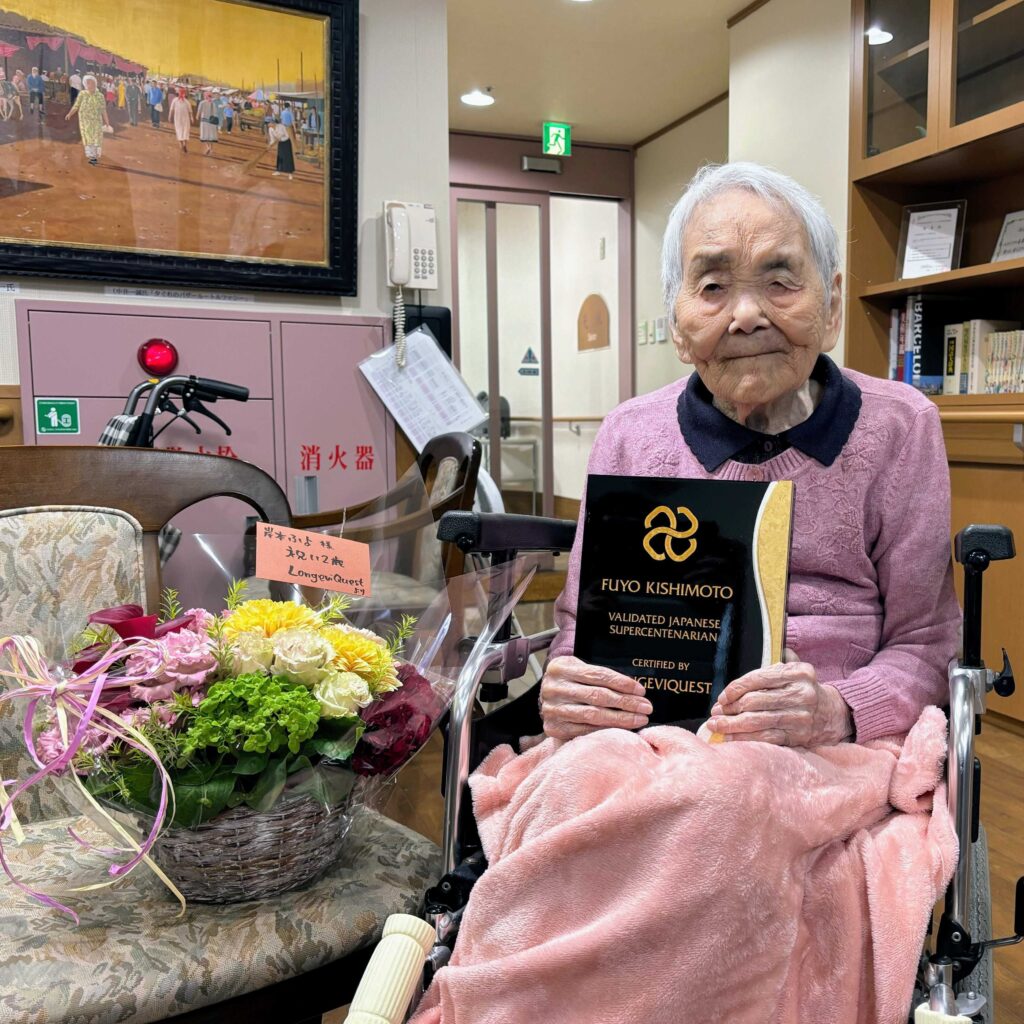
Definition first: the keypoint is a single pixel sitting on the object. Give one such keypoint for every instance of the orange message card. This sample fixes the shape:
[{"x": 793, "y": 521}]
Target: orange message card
[{"x": 312, "y": 559}]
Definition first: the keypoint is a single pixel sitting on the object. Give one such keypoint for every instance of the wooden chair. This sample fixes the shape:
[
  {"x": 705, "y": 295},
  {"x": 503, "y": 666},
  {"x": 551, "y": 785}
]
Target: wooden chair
[
  {"x": 151, "y": 485},
  {"x": 285, "y": 959}
]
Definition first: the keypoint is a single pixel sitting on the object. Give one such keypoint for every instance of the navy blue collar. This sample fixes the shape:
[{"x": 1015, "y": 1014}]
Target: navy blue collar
[{"x": 714, "y": 438}]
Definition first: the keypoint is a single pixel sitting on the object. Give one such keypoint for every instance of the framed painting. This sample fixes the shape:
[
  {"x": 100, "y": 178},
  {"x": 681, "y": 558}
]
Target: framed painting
[{"x": 201, "y": 143}]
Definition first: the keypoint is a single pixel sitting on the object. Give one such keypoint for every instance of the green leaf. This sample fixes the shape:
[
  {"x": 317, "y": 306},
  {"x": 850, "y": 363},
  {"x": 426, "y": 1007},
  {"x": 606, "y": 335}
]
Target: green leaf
[
  {"x": 236, "y": 594},
  {"x": 170, "y": 606},
  {"x": 199, "y": 798},
  {"x": 298, "y": 764},
  {"x": 268, "y": 786},
  {"x": 336, "y": 749},
  {"x": 251, "y": 764}
]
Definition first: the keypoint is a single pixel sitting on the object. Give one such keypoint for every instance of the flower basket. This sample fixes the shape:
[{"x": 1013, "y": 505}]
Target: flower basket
[
  {"x": 230, "y": 752},
  {"x": 248, "y": 855}
]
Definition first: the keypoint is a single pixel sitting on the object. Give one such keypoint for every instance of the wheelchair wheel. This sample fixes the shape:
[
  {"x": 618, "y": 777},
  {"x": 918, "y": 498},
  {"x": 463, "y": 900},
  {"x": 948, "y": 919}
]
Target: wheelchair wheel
[{"x": 981, "y": 979}]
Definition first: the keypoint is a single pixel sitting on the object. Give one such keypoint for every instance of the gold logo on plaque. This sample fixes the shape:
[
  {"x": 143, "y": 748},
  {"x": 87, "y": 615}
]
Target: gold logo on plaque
[{"x": 670, "y": 532}]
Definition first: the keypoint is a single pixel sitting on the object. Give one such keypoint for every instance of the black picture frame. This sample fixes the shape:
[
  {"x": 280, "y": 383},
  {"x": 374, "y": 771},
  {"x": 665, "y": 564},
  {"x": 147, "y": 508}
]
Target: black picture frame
[
  {"x": 959, "y": 206},
  {"x": 335, "y": 275}
]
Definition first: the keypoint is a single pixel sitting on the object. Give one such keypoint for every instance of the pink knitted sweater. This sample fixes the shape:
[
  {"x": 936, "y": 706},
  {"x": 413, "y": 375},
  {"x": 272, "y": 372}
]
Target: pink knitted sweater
[{"x": 871, "y": 602}]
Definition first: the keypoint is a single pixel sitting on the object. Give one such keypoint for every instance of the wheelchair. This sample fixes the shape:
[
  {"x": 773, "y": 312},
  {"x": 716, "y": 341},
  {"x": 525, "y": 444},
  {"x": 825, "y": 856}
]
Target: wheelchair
[{"x": 955, "y": 978}]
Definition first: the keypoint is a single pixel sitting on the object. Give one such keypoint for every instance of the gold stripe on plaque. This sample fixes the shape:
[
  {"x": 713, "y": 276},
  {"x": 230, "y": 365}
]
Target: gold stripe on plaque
[{"x": 773, "y": 558}]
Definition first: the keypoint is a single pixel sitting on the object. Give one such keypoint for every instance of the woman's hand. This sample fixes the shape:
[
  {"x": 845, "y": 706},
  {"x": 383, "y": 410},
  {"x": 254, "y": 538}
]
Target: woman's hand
[
  {"x": 577, "y": 698},
  {"x": 782, "y": 704}
]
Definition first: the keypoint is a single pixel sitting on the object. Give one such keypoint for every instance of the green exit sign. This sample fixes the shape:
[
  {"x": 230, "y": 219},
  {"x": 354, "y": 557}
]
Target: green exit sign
[
  {"x": 57, "y": 416},
  {"x": 557, "y": 139}
]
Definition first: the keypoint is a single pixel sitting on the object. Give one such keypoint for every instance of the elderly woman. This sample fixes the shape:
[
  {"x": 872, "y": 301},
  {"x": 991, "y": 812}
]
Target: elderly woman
[
  {"x": 751, "y": 280},
  {"x": 91, "y": 108}
]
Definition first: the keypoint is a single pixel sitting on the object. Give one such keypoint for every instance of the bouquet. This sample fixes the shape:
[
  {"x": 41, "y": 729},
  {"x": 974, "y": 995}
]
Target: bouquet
[{"x": 190, "y": 721}]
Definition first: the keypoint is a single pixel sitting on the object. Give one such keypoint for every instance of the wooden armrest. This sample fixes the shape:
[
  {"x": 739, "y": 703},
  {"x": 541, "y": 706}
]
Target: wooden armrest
[
  {"x": 412, "y": 488},
  {"x": 392, "y": 527}
]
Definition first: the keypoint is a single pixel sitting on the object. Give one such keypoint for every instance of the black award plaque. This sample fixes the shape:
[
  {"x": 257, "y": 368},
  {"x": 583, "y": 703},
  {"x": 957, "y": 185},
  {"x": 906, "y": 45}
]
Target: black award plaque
[{"x": 683, "y": 585}]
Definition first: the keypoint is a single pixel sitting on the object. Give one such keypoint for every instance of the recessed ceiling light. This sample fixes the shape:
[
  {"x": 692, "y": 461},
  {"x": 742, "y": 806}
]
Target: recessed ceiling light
[
  {"x": 476, "y": 98},
  {"x": 877, "y": 36}
]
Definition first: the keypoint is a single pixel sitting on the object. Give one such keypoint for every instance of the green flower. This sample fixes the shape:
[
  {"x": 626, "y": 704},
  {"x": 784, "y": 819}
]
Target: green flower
[{"x": 252, "y": 714}]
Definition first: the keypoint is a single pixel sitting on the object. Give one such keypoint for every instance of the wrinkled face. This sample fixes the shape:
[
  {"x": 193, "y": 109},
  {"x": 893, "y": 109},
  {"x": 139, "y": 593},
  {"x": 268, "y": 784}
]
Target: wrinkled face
[
  {"x": 751, "y": 314},
  {"x": 90, "y": 85}
]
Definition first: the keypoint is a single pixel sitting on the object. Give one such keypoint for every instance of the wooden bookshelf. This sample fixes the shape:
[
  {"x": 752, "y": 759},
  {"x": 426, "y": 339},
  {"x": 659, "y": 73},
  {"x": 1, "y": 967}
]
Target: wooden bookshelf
[{"x": 938, "y": 119}]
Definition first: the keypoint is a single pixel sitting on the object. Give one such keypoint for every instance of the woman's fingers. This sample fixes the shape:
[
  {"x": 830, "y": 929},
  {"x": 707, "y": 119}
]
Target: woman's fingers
[
  {"x": 571, "y": 668},
  {"x": 794, "y": 724},
  {"x": 769, "y": 678},
  {"x": 562, "y": 691},
  {"x": 578, "y": 698},
  {"x": 595, "y": 716},
  {"x": 789, "y": 697}
]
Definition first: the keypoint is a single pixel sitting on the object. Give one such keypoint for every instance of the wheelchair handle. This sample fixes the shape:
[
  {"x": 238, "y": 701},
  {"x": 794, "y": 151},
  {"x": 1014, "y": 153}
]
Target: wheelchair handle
[{"x": 975, "y": 548}]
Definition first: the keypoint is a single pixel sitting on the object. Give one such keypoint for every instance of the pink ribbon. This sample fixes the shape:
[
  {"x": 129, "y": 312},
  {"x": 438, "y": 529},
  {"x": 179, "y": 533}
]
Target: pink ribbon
[{"x": 77, "y": 698}]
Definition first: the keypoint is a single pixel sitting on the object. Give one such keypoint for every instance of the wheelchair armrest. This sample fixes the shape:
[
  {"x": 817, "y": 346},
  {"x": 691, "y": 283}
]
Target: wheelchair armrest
[{"x": 491, "y": 532}]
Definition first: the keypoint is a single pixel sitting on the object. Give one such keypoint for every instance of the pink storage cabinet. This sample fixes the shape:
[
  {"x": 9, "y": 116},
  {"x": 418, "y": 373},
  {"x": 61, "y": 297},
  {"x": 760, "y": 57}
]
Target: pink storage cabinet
[{"x": 311, "y": 421}]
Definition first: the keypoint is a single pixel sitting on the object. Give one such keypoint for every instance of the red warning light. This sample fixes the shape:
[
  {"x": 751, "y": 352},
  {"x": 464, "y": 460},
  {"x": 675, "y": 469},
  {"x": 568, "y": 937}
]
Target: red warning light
[{"x": 158, "y": 357}]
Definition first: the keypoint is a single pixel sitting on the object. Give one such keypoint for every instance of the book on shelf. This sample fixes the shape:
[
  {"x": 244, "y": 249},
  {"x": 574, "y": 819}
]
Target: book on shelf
[
  {"x": 976, "y": 350},
  {"x": 922, "y": 327},
  {"x": 1003, "y": 362},
  {"x": 954, "y": 334}
]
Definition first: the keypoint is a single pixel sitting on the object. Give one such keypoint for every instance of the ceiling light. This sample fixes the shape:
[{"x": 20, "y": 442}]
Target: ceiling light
[
  {"x": 877, "y": 36},
  {"x": 476, "y": 98}
]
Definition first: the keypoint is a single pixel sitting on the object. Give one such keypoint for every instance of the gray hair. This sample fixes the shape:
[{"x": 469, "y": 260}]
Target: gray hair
[{"x": 774, "y": 188}]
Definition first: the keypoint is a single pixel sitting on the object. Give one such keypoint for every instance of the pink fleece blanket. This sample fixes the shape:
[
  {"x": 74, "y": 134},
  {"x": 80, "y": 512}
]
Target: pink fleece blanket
[{"x": 652, "y": 878}]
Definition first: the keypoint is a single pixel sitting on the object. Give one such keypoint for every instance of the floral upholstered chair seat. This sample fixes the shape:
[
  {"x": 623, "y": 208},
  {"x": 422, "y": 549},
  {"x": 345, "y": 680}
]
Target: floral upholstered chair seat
[{"x": 133, "y": 958}]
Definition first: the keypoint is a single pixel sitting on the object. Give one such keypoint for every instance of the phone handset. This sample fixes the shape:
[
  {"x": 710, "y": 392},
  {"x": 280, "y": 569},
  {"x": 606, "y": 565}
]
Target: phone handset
[
  {"x": 411, "y": 243},
  {"x": 399, "y": 246}
]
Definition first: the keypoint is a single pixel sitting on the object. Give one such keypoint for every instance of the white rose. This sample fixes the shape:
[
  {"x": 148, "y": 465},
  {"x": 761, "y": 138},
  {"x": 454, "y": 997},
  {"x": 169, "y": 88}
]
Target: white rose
[
  {"x": 253, "y": 652},
  {"x": 342, "y": 694},
  {"x": 301, "y": 655}
]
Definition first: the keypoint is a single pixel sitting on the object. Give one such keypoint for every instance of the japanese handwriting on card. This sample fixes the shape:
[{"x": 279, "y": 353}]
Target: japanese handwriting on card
[{"x": 313, "y": 560}]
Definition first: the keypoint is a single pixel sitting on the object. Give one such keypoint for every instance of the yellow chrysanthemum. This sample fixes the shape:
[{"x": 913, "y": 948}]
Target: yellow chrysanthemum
[
  {"x": 368, "y": 658},
  {"x": 267, "y": 617}
]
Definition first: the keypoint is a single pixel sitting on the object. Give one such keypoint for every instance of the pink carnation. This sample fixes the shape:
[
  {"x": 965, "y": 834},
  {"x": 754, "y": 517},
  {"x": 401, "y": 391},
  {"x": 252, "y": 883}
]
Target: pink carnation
[
  {"x": 179, "y": 661},
  {"x": 189, "y": 658},
  {"x": 50, "y": 747}
]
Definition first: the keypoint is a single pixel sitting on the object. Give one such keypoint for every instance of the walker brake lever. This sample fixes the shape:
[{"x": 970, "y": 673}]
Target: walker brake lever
[{"x": 192, "y": 404}]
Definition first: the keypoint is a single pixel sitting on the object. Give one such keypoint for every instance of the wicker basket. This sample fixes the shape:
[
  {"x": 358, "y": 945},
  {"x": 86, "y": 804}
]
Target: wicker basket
[{"x": 247, "y": 855}]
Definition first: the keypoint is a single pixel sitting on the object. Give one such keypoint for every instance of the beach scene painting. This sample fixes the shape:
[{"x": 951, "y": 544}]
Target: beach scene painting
[{"x": 198, "y": 128}]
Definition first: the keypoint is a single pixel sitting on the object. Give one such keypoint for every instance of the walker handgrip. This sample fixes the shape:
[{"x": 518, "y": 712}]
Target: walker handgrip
[
  {"x": 390, "y": 978},
  {"x": 221, "y": 389},
  {"x": 992, "y": 540}
]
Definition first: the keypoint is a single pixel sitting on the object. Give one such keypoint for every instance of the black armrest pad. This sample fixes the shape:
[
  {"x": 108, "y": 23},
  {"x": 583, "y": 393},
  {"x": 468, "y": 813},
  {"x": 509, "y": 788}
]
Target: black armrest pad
[{"x": 488, "y": 532}]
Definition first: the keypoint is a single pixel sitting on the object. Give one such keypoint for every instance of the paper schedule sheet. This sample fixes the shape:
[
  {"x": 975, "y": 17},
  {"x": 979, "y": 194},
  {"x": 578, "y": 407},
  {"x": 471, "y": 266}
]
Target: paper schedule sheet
[{"x": 427, "y": 396}]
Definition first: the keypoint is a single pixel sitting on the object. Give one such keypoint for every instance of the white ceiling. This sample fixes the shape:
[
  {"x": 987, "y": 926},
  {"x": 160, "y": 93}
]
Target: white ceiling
[{"x": 616, "y": 70}]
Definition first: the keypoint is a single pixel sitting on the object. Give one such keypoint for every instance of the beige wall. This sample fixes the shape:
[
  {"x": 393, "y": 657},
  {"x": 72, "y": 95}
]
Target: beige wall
[
  {"x": 789, "y": 98},
  {"x": 403, "y": 154},
  {"x": 663, "y": 167}
]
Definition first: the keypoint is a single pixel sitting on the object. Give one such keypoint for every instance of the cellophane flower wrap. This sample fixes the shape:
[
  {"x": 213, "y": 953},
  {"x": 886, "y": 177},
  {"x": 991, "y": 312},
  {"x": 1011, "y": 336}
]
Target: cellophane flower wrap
[{"x": 180, "y": 717}]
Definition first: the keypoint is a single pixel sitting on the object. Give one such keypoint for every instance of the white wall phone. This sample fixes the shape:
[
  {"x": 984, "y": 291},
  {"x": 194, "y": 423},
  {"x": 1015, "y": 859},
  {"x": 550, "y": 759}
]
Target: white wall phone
[{"x": 411, "y": 231}]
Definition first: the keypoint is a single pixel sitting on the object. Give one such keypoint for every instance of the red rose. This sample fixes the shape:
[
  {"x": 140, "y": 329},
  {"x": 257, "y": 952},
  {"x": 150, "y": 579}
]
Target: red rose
[{"x": 397, "y": 725}]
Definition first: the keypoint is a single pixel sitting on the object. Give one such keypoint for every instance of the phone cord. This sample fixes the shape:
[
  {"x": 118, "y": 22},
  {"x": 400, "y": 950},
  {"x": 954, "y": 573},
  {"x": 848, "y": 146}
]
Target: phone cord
[{"x": 399, "y": 319}]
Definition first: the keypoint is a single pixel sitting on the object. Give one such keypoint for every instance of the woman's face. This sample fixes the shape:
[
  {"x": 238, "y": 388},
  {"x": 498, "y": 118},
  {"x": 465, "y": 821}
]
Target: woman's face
[
  {"x": 90, "y": 85},
  {"x": 751, "y": 313}
]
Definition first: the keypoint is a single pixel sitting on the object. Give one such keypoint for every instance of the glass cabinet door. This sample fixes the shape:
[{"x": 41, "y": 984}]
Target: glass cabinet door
[
  {"x": 897, "y": 52},
  {"x": 989, "y": 57}
]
